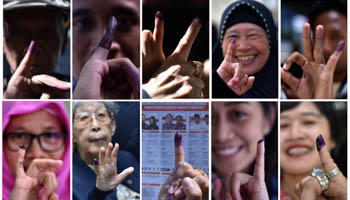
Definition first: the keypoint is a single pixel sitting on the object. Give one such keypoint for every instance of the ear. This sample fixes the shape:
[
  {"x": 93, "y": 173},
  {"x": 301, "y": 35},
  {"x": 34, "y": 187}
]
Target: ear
[
  {"x": 269, "y": 120},
  {"x": 113, "y": 126}
]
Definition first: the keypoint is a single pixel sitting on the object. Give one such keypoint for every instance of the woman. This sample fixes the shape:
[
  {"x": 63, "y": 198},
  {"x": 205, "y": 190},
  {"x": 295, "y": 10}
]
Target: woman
[
  {"x": 35, "y": 134},
  {"x": 301, "y": 123},
  {"x": 248, "y": 41},
  {"x": 237, "y": 132},
  {"x": 106, "y": 49},
  {"x": 96, "y": 172}
]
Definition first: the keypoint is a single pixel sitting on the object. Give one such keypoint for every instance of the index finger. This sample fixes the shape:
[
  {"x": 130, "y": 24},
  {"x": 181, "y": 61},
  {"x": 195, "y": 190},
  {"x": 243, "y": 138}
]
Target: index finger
[
  {"x": 158, "y": 32},
  {"x": 326, "y": 159},
  {"x": 318, "y": 47},
  {"x": 47, "y": 164},
  {"x": 179, "y": 150},
  {"x": 183, "y": 49},
  {"x": 102, "y": 50},
  {"x": 19, "y": 161},
  {"x": 229, "y": 52},
  {"x": 27, "y": 60},
  {"x": 259, "y": 171}
]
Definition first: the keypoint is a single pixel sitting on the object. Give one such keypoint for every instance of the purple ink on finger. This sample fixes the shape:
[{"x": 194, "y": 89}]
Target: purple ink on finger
[
  {"x": 21, "y": 146},
  {"x": 178, "y": 139},
  {"x": 320, "y": 143},
  {"x": 340, "y": 47},
  {"x": 32, "y": 47},
  {"x": 108, "y": 37}
]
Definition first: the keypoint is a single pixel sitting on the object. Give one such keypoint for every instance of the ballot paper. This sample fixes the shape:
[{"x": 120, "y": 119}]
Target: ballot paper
[{"x": 161, "y": 122}]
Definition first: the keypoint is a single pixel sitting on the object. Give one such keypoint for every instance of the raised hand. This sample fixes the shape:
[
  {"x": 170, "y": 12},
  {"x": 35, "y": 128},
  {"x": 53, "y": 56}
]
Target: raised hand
[
  {"x": 107, "y": 177},
  {"x": 309, "y": 188},
  {"x": 40, "y": 175},
  {"x": 184, "y": 181},
  {"x": 23, "y": 85},
  {"x": 232, "y": 73},
  {"x": 154, "y": 61},
  {"x": 108, "y": 79},
  {"x": 317, "y": 79},
  {"x": 243, "y": 186}
]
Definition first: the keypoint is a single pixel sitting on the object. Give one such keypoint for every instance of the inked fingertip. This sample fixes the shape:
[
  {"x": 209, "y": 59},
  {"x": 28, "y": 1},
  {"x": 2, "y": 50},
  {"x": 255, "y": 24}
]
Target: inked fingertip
[
  {"x": 233, "y": 42},
  {"x": 320, "y": 143},
  {"x": 21, "y": 146},
  {"x": 96, "y": 161},
  {"x": 260, "y": 141},
  {"x": 32, "y": 46},
  {"x": 178, "y": 139},
  {"x": 340, "y": 46},
  {"x": 159, "y": 15}
]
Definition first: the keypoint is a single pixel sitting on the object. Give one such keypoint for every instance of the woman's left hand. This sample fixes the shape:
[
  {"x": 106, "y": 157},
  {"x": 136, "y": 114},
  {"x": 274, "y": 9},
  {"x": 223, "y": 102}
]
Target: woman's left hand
[
  {"x": 243, "y": 186},
  {"x": 309, "y": 188},
  {"x": 107, "y": 177}
]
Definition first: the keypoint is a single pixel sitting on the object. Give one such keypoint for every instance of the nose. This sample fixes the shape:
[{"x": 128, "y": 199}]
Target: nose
[
  {"x": 295, "y": 131},
  {"x": 223, "y": 132},
  {"x": 242, "y": 44},
  {"x": 95, "y": 125},
  {"x": 35, "y": 150}
]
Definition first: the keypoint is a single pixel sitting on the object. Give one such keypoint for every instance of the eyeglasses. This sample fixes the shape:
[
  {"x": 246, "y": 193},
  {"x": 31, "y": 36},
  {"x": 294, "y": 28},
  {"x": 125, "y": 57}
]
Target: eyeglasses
[
  {"x": 48, "y": 142},
  {"x": 83, "y": 119}
]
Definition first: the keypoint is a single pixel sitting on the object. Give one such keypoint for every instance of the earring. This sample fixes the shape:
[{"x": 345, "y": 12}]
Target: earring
[{"x": 266, "y": 131}]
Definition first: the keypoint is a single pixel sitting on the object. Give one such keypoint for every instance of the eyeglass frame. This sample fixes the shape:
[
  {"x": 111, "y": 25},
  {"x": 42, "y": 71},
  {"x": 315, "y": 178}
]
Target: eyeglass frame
[
  {"x": 110, "y": 115},
  {"x": 35, "y": 136}
]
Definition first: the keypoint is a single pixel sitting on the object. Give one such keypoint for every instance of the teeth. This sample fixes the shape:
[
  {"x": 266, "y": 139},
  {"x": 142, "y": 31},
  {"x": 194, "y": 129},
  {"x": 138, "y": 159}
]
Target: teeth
[
  {"x": 227, "y": 151},
  {"x": 298, "y": 150},
  {"x": 245, "y": 58}
]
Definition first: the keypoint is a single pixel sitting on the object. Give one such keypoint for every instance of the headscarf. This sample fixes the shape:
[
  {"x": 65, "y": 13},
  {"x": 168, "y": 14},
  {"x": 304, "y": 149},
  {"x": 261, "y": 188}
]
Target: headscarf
[
  {"x": 11, "y": 108},
  {"x": 266, "y": 80}
]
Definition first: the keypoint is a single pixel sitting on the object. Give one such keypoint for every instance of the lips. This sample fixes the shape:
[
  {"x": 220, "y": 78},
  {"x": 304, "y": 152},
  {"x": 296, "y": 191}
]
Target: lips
[
  {"x": 228, "y": 152},
  {"x": 298, "y": 150},
  {"x": 245, "y": 60},
  {"x": 97, "y": 140}
]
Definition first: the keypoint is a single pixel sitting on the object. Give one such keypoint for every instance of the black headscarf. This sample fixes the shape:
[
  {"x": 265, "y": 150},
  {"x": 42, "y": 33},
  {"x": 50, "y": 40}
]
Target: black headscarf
[{"x": 266, "y": 80}]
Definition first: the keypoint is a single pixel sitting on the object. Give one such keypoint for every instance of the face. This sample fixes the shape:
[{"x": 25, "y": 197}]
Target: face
[
  {"x": 178, "y": 119},
  {"x": 335, "y": 29},
  {"x": 169, "y": 118},
  {"x": 300, "y": 127},
  {"x": 151, "y": 120},
  {"x": 96, "y": 131},
  {"x": 197, "y": 119},
  {"x": 35, "y": 123},
  {"x": 143, "y": 118},
  {"x": 236, "y": 129},
  {"x": 251, "y": 47},
  {"x": 90, "y": 19},
  {"x": 44, "y": 26}
]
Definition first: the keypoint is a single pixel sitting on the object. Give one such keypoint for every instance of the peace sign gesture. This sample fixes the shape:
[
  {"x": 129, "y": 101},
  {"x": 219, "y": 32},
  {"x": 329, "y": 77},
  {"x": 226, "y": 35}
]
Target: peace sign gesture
[
  {"x": 24, "y": 85},
  {"x": 309, "y": 188},
  {"x": 317, "y": 78},
  {"x": 232, "y": 73},
  {"x": 243, "y": 186}
]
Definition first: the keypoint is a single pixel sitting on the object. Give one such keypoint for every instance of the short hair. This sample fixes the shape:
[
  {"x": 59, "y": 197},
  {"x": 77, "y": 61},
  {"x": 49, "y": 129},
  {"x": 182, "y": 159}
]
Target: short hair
[
  {"x": 111, "y": 107},
  {"x": 325, "y": 6}
]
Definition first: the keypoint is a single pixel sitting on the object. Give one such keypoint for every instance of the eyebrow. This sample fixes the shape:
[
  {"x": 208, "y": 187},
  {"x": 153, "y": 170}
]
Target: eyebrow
[
  {"x": 227, "y": 104},
  {"x": 248, "y": 30},
  {"x": 304, "y": 114},
  {"x": 125, "y": 10},
  {"x": 81, "y": 12}
]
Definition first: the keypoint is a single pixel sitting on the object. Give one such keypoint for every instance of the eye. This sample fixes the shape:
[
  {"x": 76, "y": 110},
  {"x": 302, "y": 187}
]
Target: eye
[
  {"x": 125, "y": 23},
  {"x": 238, "y": 114},
  {"x": 20, "y": 136},
  {"x": 308, "y": 122},
  {"x": 284, "y": 125},
  {"x": 83, "y": 24}
]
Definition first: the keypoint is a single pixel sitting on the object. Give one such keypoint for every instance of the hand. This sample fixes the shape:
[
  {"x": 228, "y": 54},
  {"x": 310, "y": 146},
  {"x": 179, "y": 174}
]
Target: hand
[
  {"x": 184, "y": 182},
  {"x": 243, "y": 186},
  {"x": 309, "y": 188},
  {"x": 232, "y": 73},
  {"x": 23, "y": 85},
  {"x": 40, "y": 175},
  {"x": 317, "y": 79},
  {"x": 154, "y": 61},
  {"x": 107, "y": 177},
  {"x": 108, "y": 79}
]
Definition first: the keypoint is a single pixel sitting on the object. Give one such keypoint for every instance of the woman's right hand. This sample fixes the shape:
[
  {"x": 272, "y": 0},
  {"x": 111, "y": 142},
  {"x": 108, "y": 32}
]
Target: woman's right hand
[
  {"x": 107, "y": 177},
  {"x": 240, "y": 186},
  {"x": 232, "y": 73},
  {"x": 39, "y": 175}
]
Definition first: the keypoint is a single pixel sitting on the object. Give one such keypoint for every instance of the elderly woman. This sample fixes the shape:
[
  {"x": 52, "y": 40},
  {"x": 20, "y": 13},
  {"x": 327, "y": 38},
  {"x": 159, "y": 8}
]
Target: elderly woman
[
  {"x": 97, "y": 173},
  {"x": 245, "y": 56},
  {"x": 36, "y": 150},
  {"x": 303, "y": 149},
  {"x": 240, "y": 131}
]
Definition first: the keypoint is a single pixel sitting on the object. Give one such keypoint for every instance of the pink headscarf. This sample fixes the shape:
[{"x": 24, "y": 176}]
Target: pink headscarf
[{"x": 10, "y": 108}]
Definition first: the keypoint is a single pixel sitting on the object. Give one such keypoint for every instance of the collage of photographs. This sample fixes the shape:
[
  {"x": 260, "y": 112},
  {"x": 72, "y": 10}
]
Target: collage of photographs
[{"x": 174, "y": 99}]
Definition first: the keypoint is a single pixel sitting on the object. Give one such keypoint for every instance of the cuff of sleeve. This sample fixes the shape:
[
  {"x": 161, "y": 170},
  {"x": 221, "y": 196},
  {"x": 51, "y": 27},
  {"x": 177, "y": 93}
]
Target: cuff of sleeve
[{"x": 98, "y": 194}]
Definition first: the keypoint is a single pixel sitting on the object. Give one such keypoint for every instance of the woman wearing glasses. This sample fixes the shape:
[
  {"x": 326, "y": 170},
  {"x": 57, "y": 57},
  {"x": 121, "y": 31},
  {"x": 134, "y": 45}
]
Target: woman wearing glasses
[
  {"x": 36, "y": 152},
  {"x": 97, "y": 171}
]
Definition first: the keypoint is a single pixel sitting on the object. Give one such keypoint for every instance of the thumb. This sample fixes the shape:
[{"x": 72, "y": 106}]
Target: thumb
[{"x": 191, "y": 189}]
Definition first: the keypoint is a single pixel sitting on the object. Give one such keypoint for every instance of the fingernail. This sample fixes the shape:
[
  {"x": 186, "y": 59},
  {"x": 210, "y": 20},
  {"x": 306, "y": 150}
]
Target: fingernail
[
  {"x": 260, "y": 141},
  {"x": 177, "y": 192},
  {"x": 107, "y": 39},
  {"x": 320, "y": 143},
  {"x": 32, "y": 47},
  {"x": 95, "y": 161},
  {"x": 340, "y": 47},
  {"x": 160, "y": 15},
  {"x": 233, "y": 41},
  {"x": 21, "y": 146},
  {"x": 178, "y": 139},
  {"x": 196, "y": 21}
]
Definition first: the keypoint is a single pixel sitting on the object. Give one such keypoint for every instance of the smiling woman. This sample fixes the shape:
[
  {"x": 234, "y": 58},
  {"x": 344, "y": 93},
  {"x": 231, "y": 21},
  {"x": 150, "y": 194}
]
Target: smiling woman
[
  {"x": 301, "y": 123},
  {"x": 245, "y": 55}
]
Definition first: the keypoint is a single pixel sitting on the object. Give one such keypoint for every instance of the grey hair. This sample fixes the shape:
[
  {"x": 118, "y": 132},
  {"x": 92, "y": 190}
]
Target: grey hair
[{"x": 112, "y": 107}]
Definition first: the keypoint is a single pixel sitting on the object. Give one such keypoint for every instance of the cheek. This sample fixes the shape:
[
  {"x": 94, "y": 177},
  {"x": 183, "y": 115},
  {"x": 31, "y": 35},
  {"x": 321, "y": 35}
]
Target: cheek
[
  {"x": 56, "y": 155},
  {"x": 10, "y": 157}
]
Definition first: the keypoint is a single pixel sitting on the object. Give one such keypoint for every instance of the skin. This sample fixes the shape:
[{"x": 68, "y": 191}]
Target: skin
[
  {"x": 86, "y": 137},
  {"x": 48, "y": 31},
  {"x": 36, "y": 123},
  {"x": 197, "y": 119},
  {"x": 169, "y": 119},
  {"x": 335, "y": 30},
  {"x": 237, "y": 125},
  {"x": 299, "y": 127},
  {"x": 250, "y": 40},
  {"x": 178, "y": 119},
  {"x": 89, "y": 24}
]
